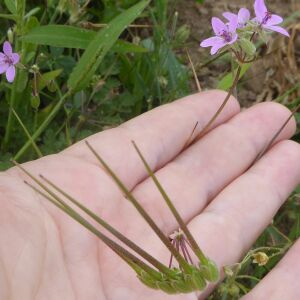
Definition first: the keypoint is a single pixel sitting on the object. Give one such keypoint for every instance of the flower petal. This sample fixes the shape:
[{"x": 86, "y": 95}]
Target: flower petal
[
  {"x": 211, "y": 41},
  {"x": 274, "y": 20},
  {"x": 233, "y": 21},
  {"x": 2, "y": 57},
  {"x": 3, "y": 68},
  {"x": 10, "y": 73},
  {"x": 15, "y": 58},
  {"x": 217, "y": 47},
  {"x": 260, "y": 9},
  {"x": 232, "y": 25},
  {"x": 277, "y": 29},
  {"x": 243, "y": 16},
  {"x": 218, "y": 25},
  {"x": 7, "y": 48},
  {"x": 229, "y": 15}
]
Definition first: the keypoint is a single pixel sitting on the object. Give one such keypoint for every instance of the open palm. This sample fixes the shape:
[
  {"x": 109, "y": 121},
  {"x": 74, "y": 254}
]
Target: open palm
[{"x": 44, "y": 254}]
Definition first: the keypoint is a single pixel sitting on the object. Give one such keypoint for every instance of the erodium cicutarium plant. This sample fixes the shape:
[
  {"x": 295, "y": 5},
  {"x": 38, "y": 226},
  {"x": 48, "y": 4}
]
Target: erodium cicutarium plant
[{"x": 188, "y": 269}]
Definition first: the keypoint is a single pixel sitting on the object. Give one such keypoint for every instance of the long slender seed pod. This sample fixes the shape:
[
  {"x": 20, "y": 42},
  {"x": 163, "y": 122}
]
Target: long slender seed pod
[
  {"x": 195, "y": 247},
  {"x": 185, "y": 266},
  {"x": 269, "y": 144},
  {"x": 119, "y": 250},
  {"x": 113, "y": 231}
]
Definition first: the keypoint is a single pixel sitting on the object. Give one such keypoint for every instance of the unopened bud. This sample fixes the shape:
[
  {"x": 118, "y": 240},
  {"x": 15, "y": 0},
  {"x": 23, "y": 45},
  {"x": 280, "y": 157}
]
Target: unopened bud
[
  {"x": 35, "y": 101},
  {"x": 182, "y": 34},
  {"x": 10, "y": 36},
  {"x": 51, "y": 86},
  {"x": 247, "y": 46},
  {"x": 210, "y": 271},
  {"x": 233, "y": 290},
  {"x": 260, "y": 258}
]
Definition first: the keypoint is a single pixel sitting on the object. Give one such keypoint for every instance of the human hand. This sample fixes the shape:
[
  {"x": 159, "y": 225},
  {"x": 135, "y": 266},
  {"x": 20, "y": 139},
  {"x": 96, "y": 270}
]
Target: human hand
[{"x": 44, "y": 254}]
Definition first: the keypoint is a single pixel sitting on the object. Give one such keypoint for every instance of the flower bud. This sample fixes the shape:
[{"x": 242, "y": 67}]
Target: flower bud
[
  {"x": 210, "y": 271},
  {"x": 35, "y": 101},
  {"x": 10, "y": 36},
  {"x": 182, "y": 34},
  {"x": 260, "y": 258},
  {"x": 233, "y": 290},
  {"x": 247, "y": 46},
  {"x": 51, "y": 86}
]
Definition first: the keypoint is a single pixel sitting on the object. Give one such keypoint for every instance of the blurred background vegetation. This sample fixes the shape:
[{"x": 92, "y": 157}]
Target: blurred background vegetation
[{"x": 138, "y": 73}]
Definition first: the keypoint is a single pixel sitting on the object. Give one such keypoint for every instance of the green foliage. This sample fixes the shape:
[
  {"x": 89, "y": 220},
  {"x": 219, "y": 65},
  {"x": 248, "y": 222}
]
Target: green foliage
[
  {"x": 226, "y": 82},
  {"x": 100, "y": 45},
  {"x": 84, "y": 68},
  {"x": 73, "y": 37}
]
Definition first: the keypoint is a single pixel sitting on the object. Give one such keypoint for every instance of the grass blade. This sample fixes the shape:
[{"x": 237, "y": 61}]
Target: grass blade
[{"x": 100, "y": 45}]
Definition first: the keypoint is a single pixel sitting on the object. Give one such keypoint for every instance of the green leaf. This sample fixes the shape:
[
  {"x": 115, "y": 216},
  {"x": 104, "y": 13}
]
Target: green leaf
[
  {"x": 125, "y": 47},
  {"x": 9, "y": 17},
  {"x": 20, "y": 4},
  {"x": 60, "y": 36},
  {"x": 73, "y": 37},
  {"x": 226, "y": 82},
  {"x": 100, "y": 45},
  {"x": 11, "y": 6}
]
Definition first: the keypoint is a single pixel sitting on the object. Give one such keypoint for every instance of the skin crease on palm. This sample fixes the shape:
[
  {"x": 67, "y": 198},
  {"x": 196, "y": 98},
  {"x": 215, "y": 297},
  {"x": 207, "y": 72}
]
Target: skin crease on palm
[{"x": 44, "y": 254}]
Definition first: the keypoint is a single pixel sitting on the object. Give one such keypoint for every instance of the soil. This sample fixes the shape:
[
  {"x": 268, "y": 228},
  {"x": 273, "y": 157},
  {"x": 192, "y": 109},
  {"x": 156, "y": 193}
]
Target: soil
[{"x": 275, "y": 72}]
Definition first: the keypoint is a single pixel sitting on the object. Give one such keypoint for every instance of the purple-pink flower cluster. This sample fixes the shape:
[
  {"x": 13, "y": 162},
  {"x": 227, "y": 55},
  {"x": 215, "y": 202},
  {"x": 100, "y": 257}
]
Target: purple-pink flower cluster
[
  {"x": 228, "y": 33},
  {"x": 8, "y": 59}
]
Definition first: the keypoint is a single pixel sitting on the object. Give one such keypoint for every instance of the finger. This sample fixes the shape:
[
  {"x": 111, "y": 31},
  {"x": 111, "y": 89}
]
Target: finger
[
  {"x": 231, "y": 223},
  {"x": 161, "y": 134},
  {"x": 201, "y": 172},
  {"x": 283, "y": 281}
]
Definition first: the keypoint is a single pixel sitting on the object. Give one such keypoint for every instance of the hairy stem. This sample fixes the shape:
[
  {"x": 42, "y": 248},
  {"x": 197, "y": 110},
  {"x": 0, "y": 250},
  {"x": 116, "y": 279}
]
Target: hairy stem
[
  {"x": 275, "y": 136},
  {"x": 214, "y": 117}
]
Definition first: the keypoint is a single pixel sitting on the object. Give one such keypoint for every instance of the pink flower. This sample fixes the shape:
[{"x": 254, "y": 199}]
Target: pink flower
[
  {"x": 225, "y": 34},
  {"x": 267, "y": 20},
  {"x": 242, "y": 17},
  {"x": 8, "y": 59}
]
